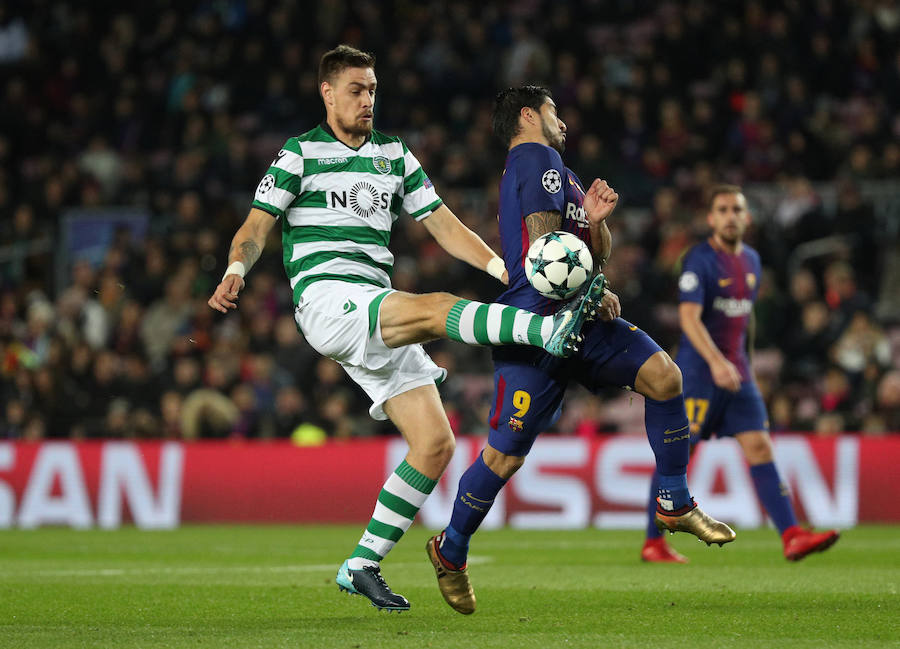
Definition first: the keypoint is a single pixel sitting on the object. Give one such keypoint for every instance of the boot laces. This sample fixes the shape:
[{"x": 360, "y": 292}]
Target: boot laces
[{"x": 376, "y": 573}]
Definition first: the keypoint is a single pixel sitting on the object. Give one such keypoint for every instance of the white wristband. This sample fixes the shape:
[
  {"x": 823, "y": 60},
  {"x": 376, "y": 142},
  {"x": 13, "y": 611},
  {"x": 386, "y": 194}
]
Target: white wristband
[
  {"x": 495, "y": 267},
  {"x": 236, "y": 268}
]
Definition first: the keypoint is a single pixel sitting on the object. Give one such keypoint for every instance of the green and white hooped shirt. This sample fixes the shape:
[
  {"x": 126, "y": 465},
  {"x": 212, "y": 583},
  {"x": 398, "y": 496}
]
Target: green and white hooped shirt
[{"x": 338, "y": 205}]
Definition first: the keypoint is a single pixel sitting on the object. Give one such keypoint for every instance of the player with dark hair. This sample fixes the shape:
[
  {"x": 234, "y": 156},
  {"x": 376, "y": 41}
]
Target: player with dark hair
[
  {"x": 538, "y": 194},
  {"x": 337, "y": 191},
  {"x": 718, "y": 285}
]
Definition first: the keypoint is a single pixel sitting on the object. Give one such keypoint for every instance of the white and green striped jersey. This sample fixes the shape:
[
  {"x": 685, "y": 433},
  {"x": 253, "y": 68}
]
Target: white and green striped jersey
[{"x": 338, "y": 204}]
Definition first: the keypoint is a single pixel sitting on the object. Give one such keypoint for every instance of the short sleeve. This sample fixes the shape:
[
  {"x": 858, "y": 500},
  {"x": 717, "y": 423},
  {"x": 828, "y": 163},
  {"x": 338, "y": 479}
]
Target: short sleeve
[
  {"x": 757, "y": 269},
  {"x": 281, "y": 184},
  {"x": 541, "y": 175},
  {"x": 418, "y": 194},
  {"x": 690, "y": 282}
]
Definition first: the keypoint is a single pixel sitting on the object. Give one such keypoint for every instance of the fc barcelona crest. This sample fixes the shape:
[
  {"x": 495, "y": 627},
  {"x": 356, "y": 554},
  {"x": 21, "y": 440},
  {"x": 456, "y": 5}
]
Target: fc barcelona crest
[
  {"x": 382, "y": 164},
  {"x": 751, "y": 281}
]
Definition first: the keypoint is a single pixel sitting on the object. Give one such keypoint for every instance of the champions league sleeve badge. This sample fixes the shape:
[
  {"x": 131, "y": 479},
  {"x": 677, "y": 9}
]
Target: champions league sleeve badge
[
  {"x": 267, "y": 183},
  {"x": 551, "y": 181},
  {"x": 688, "y": 281}
]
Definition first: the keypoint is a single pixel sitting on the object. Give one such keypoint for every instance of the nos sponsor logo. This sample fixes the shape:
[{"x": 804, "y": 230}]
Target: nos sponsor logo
[{"x": 363, "y": 198}]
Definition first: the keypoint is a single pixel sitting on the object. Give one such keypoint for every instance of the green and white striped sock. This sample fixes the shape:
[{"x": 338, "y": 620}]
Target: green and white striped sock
[
  {"x": 476, "y": 323},
  {"x": 398, "y": 503}
]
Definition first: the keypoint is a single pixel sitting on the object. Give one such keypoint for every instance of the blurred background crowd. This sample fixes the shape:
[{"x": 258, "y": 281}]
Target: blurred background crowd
[{"x": 132, "y": 138}]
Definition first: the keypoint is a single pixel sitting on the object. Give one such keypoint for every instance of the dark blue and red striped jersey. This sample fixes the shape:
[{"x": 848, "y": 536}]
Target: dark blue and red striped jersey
[
  {"x": 726, "y": 285},
  {"x": 535, "y": 180}
]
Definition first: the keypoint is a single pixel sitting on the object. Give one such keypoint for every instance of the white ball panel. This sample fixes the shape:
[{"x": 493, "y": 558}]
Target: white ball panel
[
  {"x": 556, "y": 272},
  {"x": 585, "y": 259},
  {"x": 576, "y": 277},
  {"x": 541, "y": 284}
]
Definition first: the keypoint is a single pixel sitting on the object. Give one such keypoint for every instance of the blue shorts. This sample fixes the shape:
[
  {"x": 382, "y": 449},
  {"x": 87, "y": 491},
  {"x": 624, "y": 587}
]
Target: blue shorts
[
  {"x": 714, "y": 411},
  {"x": 529, "y": 383}
]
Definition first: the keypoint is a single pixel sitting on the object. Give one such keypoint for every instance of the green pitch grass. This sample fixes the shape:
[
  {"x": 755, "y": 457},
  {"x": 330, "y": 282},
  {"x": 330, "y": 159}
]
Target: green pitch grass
[{"x": 268, "y": 587}]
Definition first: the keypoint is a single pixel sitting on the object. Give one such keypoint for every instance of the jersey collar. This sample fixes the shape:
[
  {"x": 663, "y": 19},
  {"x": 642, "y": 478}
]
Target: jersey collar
[{"x": 325, "y": 126}]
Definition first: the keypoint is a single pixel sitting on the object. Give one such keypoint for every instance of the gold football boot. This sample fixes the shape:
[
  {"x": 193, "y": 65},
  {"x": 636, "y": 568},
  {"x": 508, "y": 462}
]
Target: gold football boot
[
  {"x": 695, "y": 522},
  {"x": 454, "y": 584}
]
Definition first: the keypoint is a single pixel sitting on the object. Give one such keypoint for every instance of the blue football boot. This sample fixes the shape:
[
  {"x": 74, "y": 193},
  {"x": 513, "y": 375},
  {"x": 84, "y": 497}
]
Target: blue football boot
[
  {"x": 568, "y": 320},
  {"x": 369, "y": 583}
]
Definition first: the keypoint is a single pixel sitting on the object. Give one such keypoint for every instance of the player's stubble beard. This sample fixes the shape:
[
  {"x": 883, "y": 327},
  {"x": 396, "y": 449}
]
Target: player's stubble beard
[
  {"x": 356, "y": 127},
  {"x": 731, "y": 237},
  {"x": 555, "y": 140}
]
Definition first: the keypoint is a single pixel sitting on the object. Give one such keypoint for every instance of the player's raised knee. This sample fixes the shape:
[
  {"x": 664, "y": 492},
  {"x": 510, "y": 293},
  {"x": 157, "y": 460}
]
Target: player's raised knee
[{"x": 659, "y": 378}]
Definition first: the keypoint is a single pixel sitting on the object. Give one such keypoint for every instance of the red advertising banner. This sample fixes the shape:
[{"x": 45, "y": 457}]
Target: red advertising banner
[{"x": 567, "y": 482}]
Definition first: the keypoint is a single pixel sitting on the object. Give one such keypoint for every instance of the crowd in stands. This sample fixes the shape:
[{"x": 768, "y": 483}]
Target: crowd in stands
[{"x": 176, "y": 109}]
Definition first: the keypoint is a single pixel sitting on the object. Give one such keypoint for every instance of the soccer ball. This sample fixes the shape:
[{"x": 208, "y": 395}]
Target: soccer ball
[{"x": 557, "y": 264}]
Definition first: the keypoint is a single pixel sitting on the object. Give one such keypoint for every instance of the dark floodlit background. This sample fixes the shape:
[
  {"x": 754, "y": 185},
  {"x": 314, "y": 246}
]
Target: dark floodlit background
[{"x": 132, "y": 137}]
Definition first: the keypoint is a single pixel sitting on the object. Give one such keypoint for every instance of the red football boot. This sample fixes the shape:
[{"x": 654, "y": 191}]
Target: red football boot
[
  {"x": 658, "y": 551},
  {"x": 799, "y": 542}
]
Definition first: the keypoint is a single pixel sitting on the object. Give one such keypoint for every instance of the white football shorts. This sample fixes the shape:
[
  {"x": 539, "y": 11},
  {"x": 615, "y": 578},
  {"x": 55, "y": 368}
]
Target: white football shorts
[{"x": 342, "y": 321}]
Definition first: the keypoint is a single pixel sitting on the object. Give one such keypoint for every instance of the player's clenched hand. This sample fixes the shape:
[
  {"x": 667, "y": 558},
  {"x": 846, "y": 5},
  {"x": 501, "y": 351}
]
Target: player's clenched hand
[
  {"x": 599, "y": 201},
  {"x": 725, "y": 375},
  {"x": 226, "y": 294},
  {"x": 610, "y": 309}
]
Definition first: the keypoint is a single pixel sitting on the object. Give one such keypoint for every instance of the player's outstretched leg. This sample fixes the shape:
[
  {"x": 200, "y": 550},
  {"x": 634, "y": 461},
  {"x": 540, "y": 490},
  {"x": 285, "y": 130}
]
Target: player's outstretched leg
[
  {"x": 476, "y": 323},
  {"x": 368, "y": 582},
  {"x": 407, "y": 318}
]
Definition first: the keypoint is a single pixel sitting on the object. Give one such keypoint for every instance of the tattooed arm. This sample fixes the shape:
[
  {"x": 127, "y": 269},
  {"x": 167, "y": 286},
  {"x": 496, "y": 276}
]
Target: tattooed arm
[
  {"x": 540, "y": 223},
  {"x": 246, "y": 247}
]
